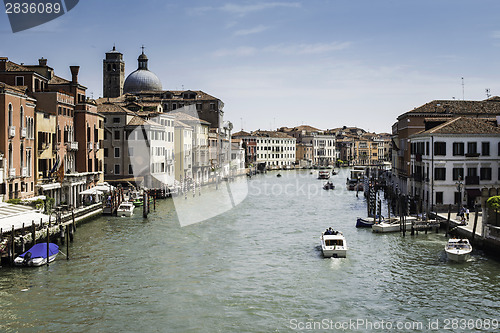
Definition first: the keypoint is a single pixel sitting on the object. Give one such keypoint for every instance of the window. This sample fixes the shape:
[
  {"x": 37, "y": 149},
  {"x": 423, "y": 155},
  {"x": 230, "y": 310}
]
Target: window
[
  {"x": 59, "y": 110},
  {"x": 472, "y": 172},
  {"x": 116, "y": 135},
  {"x": 130, "y": 170},
  {"x": 440, "y": 174},
  {"x": 117, "y": 151},
  {"x": 471, "y": 147},
  {"x": 105, "y": 152},
  {"x": 427, "y": 148},
  {"x": 458, "y": 148},
  {"x": 485, "y": 173},
  {"x": 458, "y": 173},
  {"x": 117, "y": 169},
  {"x": 19, "y": 80},
  {"x": 485, "y": 148},
  {"x": 116, "y": 120},
  {"x": 105, "y": 168},
  {"x": 10, "y": 115},
  {"x": 439, "y": 148},
  {"x": 439, "y": 198},
  {"x": 105, "y": 135},
  {"x": 21, "y": 117}
]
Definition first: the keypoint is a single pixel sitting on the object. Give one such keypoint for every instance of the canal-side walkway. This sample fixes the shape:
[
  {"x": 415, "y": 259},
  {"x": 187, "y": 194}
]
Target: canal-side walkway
[{"x": 467, "y": 228}]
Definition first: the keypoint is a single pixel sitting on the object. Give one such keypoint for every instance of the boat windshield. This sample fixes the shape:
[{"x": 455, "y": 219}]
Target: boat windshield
[{"x": 333, "y": 242}]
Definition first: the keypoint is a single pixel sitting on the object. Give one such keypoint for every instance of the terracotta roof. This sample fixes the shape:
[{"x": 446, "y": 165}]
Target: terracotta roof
[
  {"x": 137, "y": 121},
  {"x": 13, "y": 67},
  {"x": 58, "y": 80},
  {"x": 456, "y": 108},
  {"x": 271, "y": 134},
  {"x": 466, "y": 125},
  {"x": 110, "y": 107},
  {"x": 240, "y": 133},
  {"x": 183, "y": 116},
  {"x": 21, "y": 89}
]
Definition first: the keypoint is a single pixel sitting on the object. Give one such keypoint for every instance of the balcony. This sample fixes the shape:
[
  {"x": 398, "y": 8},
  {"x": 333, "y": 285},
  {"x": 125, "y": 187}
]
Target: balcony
[
  {"x": 472, "y": 180},
  {"x": 12, "y": 131},
  {"x": 23, "y": 132},
  {"x": 24, "y": 172},
  {"x": 472, "y": 155},
  {"x": 72, "y": 146},
  {"x": 90, "y": 146},
  {"x": 12, "y": 172}
]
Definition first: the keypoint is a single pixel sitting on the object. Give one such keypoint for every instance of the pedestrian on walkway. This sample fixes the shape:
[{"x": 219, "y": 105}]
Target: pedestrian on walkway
[{"x": 467, "y": 213}]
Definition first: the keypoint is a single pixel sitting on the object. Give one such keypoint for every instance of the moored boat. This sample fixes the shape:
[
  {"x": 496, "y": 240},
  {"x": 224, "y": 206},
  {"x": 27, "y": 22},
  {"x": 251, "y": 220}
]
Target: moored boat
[
  {"x": 329, "y": 186},
  {"x": 393, "y": 225},
  {"x": 323, "y": 175},
  {"x": 37, "y": 255},
  {"x": 126, "y": 208},
  {"x": 458, "y": 250},
  {"x": 333, "y": 244}
]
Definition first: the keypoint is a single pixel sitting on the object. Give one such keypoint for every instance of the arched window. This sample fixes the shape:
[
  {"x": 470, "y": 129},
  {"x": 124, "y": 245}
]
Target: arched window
[
  {"x": 22, "y": 155},
  {"x": 11, "y": 156},
  {"x": 10, "y": 115},
  {"x": 21, "y": 118}
]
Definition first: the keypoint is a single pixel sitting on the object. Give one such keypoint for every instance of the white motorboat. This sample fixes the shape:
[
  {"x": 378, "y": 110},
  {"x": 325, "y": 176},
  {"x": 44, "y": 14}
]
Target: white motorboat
[
  {"x": 333, "y": 244},
  {"x": 393, "y": 225},
  {"x": 37, "y": 255},
  {"x": 126, "y": 208},
  {"x": 458, "y": 249}
]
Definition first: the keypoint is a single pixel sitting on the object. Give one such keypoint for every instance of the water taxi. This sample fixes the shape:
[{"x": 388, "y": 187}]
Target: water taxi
[
  {"x": 333, "y": 244},
  {"x": 126, "y": 208},
  {"x": 323, "y": 174},
  {"x": 458, "y": 249}
]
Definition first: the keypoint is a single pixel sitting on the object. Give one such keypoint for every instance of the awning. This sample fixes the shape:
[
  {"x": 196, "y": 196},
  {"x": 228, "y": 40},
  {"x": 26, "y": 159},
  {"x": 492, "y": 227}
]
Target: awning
[
  {"x": 473, "y": 192},
  {"x": 91, "y": 191},
  {"x": 51, "y": 186}
]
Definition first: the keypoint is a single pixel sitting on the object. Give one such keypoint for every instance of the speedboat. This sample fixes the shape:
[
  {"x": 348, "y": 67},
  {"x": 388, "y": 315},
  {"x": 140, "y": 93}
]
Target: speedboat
[
  {"x": 323, "y": 174},
  {"x": 329, "y": 186},
  {"x": 458, "y": 249},
  {"x": 333, "y": 244},
  {"x": 393, "y": 225},
  {"x": 126, "y": 208},
  {"x": 37, "y": 255}
]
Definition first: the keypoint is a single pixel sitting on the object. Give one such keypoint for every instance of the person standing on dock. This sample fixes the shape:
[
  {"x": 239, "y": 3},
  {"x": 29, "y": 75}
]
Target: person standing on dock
[{"x": 467, "y": 213}]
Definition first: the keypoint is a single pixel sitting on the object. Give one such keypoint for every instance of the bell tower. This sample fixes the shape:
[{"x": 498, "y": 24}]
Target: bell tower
[{"x": 113, "y": 74}]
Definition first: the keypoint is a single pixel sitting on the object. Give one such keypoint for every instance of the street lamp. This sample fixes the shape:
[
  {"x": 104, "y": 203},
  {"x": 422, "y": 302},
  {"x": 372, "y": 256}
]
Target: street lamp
[{"x": 459, "y": 185}]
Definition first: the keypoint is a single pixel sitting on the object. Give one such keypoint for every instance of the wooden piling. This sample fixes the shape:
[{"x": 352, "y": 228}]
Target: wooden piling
[
  {"x": 33, "y": 233},
  {"x": 144, "y": 203},
  {"x": 73, "y": 219},
  {"x": 22, "y": 240},
  {"x": 448, "y": 221},
  {"x": 48, "y": 241},
  {"x": 475, "y": 223},
  {"x": 12, "y": 246},
  {"x": 67, "y": 243}
]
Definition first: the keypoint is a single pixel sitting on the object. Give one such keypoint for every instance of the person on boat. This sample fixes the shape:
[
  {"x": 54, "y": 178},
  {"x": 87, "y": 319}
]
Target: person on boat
[{"x": 327, "y": 232}]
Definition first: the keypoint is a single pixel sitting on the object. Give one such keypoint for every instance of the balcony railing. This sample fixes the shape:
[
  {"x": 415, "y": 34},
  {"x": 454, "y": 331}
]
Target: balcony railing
[
  {"x": 471, "y": 180},
  {"x": 12, "y": 172},
  {"x": 23, "y": 132},
  {"x": 472, "y": 155},
  {"x": 73, "y": 146},
  {"x": 12, "y": 131},
  {"x": 24, "y": 172}
]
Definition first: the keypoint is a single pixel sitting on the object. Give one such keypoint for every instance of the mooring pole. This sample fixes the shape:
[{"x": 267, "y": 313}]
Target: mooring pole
[
  {"x": 476, "y": 208},
  {"x": 448, "y": 222}
]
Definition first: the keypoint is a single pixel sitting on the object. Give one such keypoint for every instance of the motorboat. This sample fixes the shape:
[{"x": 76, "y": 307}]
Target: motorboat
[
  {"x": 126, "y": 208},
  {"x": 393, "y": 225},
  {"x": 369, "y": 221},
  {"x": 333, "y": 244},
  {"x": 37, "y": 255},
  {"x": 334, "y": 172},
  {"x": 278, "y": 175},
  {"x": 458, "y": 250},
  {"x": 355, "y": 181},
  {"x": 323, "y": 174},
  {"x": 329, "y": 186}
]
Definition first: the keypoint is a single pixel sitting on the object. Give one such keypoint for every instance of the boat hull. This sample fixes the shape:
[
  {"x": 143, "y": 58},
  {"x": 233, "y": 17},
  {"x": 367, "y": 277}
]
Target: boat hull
[
  {"x": 392, "y": 227},
  {"x": 457, "y": 257},
  {"x": 364, "y": 223},
  {"x": 335, "y": 253}
]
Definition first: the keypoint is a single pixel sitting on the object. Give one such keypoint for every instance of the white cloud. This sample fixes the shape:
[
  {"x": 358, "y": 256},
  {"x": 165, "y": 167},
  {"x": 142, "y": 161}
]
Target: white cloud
[
  {"x": 242, "y": 10},
  {"x": 286, "y": 49},
  {"x": 495, "y": 34},
  {"x": 251, "y": 31}
]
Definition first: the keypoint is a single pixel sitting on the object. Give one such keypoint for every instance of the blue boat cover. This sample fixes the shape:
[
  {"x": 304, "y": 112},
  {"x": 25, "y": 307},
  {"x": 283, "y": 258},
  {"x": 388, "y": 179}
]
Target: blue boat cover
[{"x": 40, "y": 250}]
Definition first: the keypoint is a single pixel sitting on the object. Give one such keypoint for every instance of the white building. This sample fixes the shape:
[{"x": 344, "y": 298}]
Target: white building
[
  {"x": 452, "y": 162},
  {"x": 275, "y": 150},
  {"x": 323, "y": 145}
]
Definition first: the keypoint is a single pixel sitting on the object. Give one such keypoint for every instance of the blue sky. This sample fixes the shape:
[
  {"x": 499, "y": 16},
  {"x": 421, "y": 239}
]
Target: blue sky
[{"x": 284, "y": 63}]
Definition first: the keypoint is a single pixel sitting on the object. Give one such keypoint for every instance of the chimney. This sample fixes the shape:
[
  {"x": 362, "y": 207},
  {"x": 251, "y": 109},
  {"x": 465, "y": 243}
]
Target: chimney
[
  {"x": 42, "y": 62},
  {"x": 74, "y": 73},
  {"x": 3, "y": 63}
]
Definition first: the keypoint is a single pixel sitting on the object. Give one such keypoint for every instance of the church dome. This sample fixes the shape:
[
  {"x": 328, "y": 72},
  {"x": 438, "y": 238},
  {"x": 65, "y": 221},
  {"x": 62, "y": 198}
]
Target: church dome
[{"x": 142, "y": 79}]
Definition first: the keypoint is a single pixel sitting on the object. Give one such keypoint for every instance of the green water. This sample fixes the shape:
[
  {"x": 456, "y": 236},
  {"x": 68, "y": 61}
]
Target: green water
[{"x": 255, "y": 268}]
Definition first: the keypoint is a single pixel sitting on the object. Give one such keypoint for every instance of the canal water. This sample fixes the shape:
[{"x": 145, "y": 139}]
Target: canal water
[{"x": 254, "y": 268}]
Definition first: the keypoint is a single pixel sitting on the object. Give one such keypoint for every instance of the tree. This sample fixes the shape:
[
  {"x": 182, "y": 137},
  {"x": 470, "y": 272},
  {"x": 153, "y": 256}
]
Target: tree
[{"x": 494, "y": 204}]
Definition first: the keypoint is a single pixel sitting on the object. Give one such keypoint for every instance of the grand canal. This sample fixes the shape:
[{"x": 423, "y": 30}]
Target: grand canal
[{"x": 254, "y": 268}]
